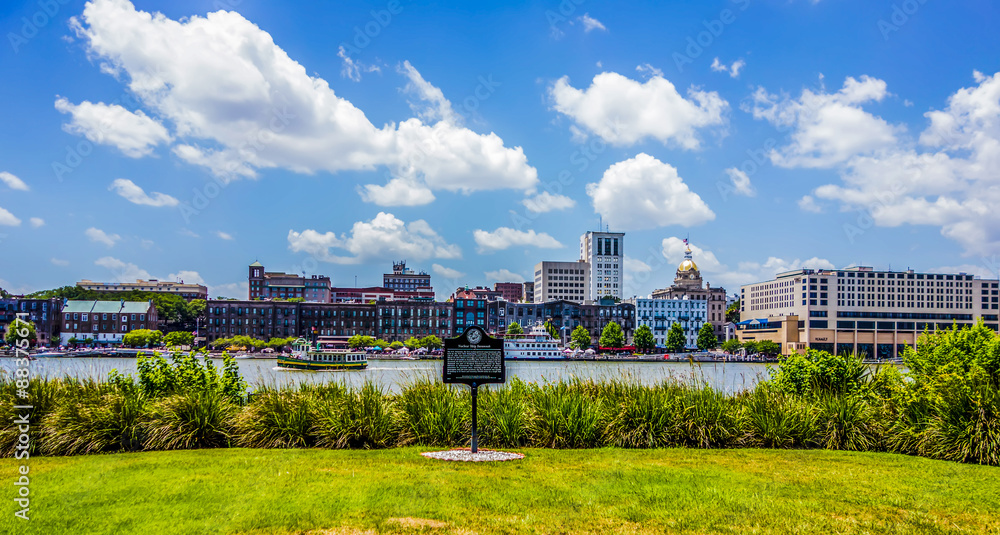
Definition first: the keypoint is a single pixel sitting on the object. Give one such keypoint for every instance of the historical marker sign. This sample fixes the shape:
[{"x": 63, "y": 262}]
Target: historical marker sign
[{"x": 474, "y": 358}]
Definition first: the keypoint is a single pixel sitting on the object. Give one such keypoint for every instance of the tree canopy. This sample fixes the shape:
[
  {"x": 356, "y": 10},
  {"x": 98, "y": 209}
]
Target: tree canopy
[
  {"x": 21, "y": 330},
  {"x": 514, "y": 328},
  {"x": 580, "y": 338},
  {"x": 675, "y": 338},
  {"x": 733, "y": 312},
  {"x": 643, "y": 338},
  {"x": 706, "y": 338},
  {"x": 612, "y": 335},
  {"x": 178, "y": 338},
  {"x": 142, "y": 338}
]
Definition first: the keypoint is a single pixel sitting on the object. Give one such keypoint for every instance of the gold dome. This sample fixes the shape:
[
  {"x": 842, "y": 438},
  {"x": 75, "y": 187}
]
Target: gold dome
[{"x": 687, "y": 265}]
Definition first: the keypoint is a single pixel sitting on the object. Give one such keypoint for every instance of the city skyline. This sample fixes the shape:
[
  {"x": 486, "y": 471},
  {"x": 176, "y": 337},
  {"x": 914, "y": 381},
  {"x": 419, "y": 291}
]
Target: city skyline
[{"x": 311, "y": 145}]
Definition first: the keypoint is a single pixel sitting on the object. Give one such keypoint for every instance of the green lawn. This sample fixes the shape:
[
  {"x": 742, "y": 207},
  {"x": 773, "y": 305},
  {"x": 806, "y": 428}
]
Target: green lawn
[{"x": 550, "y": 491}]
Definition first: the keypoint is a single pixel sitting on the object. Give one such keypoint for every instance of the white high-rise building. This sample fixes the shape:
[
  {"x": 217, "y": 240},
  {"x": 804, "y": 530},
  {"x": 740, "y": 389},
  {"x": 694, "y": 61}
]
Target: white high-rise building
[
  {"x": 562, "y": 280},
  {"x": 605, "y": 252}
]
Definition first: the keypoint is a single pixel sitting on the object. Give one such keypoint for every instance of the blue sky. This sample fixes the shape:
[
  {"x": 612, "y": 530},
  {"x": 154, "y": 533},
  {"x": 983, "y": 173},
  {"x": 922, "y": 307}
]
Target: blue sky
[{"x": 176, "y": 140}]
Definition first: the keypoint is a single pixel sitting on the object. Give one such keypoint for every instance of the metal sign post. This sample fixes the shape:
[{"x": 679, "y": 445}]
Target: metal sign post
[{"x": 474, "y": 358}]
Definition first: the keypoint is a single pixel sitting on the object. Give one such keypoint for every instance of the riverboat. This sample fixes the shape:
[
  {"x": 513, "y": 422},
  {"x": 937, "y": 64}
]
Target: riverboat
[
  {"x": 536, "y": 344},
  {"x": 307, "y": 356}
]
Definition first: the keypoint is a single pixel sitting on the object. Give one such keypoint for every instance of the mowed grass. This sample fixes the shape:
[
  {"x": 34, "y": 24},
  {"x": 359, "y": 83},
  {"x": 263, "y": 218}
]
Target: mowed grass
[{"x": 550, "y": 491}]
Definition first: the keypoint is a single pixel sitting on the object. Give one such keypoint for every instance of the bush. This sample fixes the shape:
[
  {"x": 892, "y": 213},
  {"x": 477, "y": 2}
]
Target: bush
[
  {"x": 185, "y": 373},
  {"x": 276, "y": 418},
  {"x": 820, "y": 372},
  {"x": 434, "y": 414},
  {"x": 94, "y": 418},
  {"x": 193, "y": 419},
  {"x": 565, "y": 417},
  {"x": 773, "y": 419},
  {"x": 504, "y": 415},
  {"x": 364, "y": 418}
]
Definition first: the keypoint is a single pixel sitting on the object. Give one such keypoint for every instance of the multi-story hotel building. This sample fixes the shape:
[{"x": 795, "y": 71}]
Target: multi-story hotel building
[
  {"x": 605, "y": 253},
  {"x": 689, "y": 283},
  {"x": 105, "y": 322},
  {"x": 281, "y": 319},
  {"x": 187, "y": 291},
  {"x": 876, "y": 313},
  {"x": 44, "y": 313},
  {"x": 278, "y": 285},
  {"x": 563, "y": 280},
  {"x": 400, "y": 320},
  {"x": 661, "y": 314}
]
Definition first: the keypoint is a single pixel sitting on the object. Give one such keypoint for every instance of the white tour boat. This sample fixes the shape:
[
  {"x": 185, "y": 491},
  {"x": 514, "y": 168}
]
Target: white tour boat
[{"x": 536, "y": 344}]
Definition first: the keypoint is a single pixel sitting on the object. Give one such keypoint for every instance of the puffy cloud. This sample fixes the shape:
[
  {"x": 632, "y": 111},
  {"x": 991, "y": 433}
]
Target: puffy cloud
[
  {"x": 740, "y": 182},
  {"x": 590, "y": 23},
  {"x": 122, "y": 271},
  {"x": 446, "y": 272},
  {"x": 504, "y": 275},
  {"x": 505, "y": 238},
  {"x": 12, "y": 181},
  {"x": 242, "y": 104},
  {"x": 36, "y": 222},
  {"x": 432, "y": 106},
  {"x": 187, "y": 277},
  {"x": 623, "y": 111},
  {"x": 224, "y": 235},
  {"x": 8, "y": 219},
  {"x": 135, "y": 194},
  {"x": 383, "y": 237},
  {"x": 732, "y": 70},
  {"x": 134, "y": 133},
  {"x": 948, "y": 179},
  {"x": 828, "y": 129},
  {"x": 808, "y": 203},
  {"x": 547, "y": 202},
  {"x": 644, "y": 193},
  {"x": 238, "y": 290},
  {"x": 397, "y": 192},
  {"x": 97, "y": 235}
]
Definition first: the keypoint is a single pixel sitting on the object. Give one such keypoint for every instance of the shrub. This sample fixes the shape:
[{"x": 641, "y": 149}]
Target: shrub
[
  {"x": 773, "y": 419},
  {"x": 186, "y": 372},
  {"x": 364, "y": 418},
  {"x": 94, "y": 418},
  {"x": 193, "y": 419},
  {"x": 846, "y": 422},
  {"x": 276, "y": 418},
  {"x": 504, "y": 415},
  {"x": 434, "y": 414},
  {"x": 565, "y": 417},
  {"x": 819, "y": 371}
]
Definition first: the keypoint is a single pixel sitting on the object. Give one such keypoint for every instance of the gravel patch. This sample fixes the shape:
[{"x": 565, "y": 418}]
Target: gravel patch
[{"x": 466, "y": 455}]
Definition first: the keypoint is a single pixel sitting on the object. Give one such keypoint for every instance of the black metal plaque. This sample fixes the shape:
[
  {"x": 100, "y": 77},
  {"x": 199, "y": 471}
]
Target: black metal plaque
[{"x": 474, "y": 357}]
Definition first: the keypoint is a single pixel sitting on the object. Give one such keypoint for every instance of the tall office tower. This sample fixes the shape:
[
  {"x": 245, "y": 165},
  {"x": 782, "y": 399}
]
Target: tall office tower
[{"x": 605, "y": 252}]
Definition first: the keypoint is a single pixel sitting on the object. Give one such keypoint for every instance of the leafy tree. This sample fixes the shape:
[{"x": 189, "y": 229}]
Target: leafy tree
[
  {"x": 706, "y": 338},
  {"x": 412, "y": 343},
  {"x": 381, "y": 344},
  {"x": 643, "y": 338},
  {"x": 396, "y": 345},
  {"x": 551, "y": 329},
  {"x": 73, "y": 341},
  {"x": 278, "y": 344},
  {"x": 431, "y": 342},
  {"x": 514, "y": 328},
  {"x": 21, "y": 332},
  {"x": 819, "y": 371},
  {"x": 750, "y": 346},
  {"x": 767, "y": 347},
  {"x": 580, "y": 338},
  {"x": 733, "y": 312},
  {"x": 185, "y": 373},
  {"x": 142, "y": 338},
  {"x": 360, "y": 340},
  {"x": 612, "y": 335},
  {"x": 731, "y": 346},
  {"x": 178, "y": 338},
  {"x": 963, "y": 353},
  {"x": 675, "y": 338}
]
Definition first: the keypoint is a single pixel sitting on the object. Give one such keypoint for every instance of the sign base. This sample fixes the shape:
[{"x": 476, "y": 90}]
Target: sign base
[{"x": 466, "y": 455}]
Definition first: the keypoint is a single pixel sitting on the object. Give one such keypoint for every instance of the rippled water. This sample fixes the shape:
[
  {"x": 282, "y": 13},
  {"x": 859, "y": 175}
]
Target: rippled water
[{"x": 729, "y": 377}]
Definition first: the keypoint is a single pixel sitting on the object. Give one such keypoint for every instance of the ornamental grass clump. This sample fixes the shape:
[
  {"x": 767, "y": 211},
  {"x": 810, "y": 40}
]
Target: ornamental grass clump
[
  {"x": 504, "y": 415},
  {"x": 846, "y": 422},
  {"x": 41, "y": 393},
  {"x": 93, "y": 417},
  {"x": 774, "y": 419},
  {"x": 565, "y": 416},
  {"x": 432, "y": 413},
  {"x": 194, "y": 419},
  {"x": 644, "y": 417},
  {"x": 365, "y": 418},
  {"x": 709, "y": 418},
  {"x": 277, "y": 418}
]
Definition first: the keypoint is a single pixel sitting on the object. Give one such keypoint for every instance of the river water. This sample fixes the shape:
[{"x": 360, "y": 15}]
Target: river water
[{"x": 393, "y": 374}]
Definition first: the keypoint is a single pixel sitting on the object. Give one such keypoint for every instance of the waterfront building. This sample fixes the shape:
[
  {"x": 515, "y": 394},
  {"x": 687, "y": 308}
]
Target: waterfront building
[
  {"x": 407, "y": 280},
  {"x": 400, "y": 320},
  {"x": 187, "y": 291},
  {"x": 567, "y": 315},
  {"x": 689, "y": 283},
  {"x": 661, "y": 314},
  {"x": 479, "y": 311},
  {"x": 877, "y": 313},
  {"x": 375, "y": 294},
  {"x": 479, "y": 292},
  {"x": 44, "y": 313},
  {"x": 105, "y": 322},
  {"x": 528, "y": 292},
  {"x": 282, "y": 319},
  {"x": 568, "y": 281},
  {"x": 510, "y": 291},
  {"x": 605, "y": 252},
  {"x": 277, "y": 285}
]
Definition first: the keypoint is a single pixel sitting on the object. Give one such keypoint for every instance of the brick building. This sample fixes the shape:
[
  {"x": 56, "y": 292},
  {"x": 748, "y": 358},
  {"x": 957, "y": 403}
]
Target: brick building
[
  {"x": 44, "y": 313},
  {"x": 399, "y": 320},
  {"x": 510, "y": 291},
  {"x": 281, "y": 319},
  {"x": 105, "y": 322},
  {"x": 277, "y": 285},
  {"x": 568, "y": 315}
]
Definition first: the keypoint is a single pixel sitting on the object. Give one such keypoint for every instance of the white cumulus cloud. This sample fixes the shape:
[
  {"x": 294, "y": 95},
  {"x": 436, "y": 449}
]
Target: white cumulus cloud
[
  {"x": 122, "y": 271},
  {"x": 134, "y": 133},
  {"x": 446, "y": 272},
  {"x": 12, "y": 181},
  {"x": 384, "y": 237},
  {"x": 505, "y": 238},
  {"x": 504, "y": 275},
  {"x": 740, "y": 182},
  {"x": 590, "y": 23},
  {"x": 547, "y": 202},
  {"x": 623, "y": 111},
  {"x": 136, "y": 195},
  {"x": 97, "y": 235},
  {"x": 644, "y": 193},
  {"x": 36, "y": 222},
  {"x": 733, "y": 70},
  {"x": 8, "y": 219}
]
